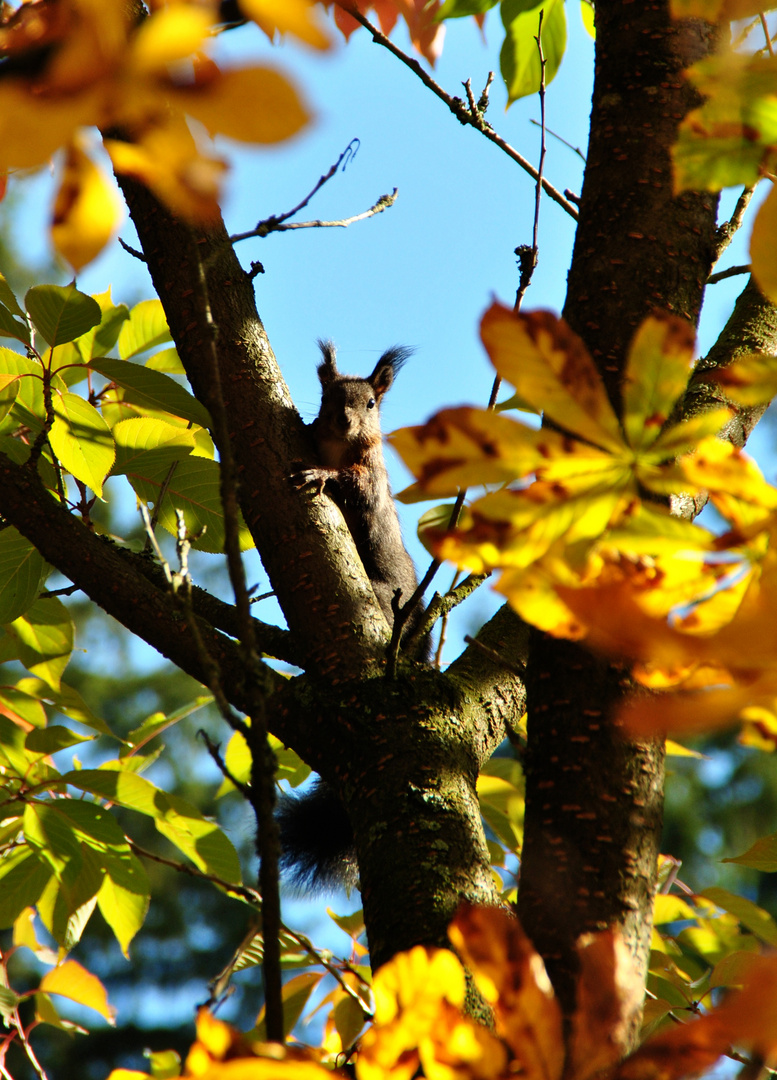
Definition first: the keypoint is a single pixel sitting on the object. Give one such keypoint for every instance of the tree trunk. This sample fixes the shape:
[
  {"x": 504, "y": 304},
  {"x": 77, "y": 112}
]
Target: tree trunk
[{"x": 594, "y": 799}]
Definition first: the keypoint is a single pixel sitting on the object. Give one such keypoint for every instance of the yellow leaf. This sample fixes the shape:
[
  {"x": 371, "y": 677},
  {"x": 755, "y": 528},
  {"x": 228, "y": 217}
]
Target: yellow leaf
[
  {"x": 550, "y": 368},
  {"x": 750, "y": 380},
  {"x": 76, "y": 983},
  {"x": 256, "y": 104},
  {"x": 464, "y": 446},
  {"x": 659, "y": 363},
  {"x": 170, "y": 34},
  {"x": 287, "y": 16},
  {"x": 87, "y": 209},
  {"x": 32, "y": 128},
  {"x": 168, "y": 161},
  {"x": 719, "y": 466},
  {"x": 763, "y": 247}
]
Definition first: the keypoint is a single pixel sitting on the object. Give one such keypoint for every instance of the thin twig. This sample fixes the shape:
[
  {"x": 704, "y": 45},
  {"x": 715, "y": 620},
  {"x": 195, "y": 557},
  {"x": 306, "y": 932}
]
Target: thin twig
[
  {"x": 724, "y": 233},
  {"x": 732, "y": 271},
  {"x": 264, "y": 228},
  {"x": 254, "y": 897},
  {"x": 274, "y": 223},
  {"x": 441, "y": 606},
  {"x": 559, "y": 138},
  {"x": 464, "y": 114},
  {"x": 258, "y": 684},
  {"x": 765, "y": 29},
  {"x": 131, "y": 251}
]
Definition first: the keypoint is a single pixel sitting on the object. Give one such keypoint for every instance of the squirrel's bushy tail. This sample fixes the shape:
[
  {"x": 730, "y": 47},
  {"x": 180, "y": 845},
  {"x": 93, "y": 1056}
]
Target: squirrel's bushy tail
[{"x": 317, "y": 848}]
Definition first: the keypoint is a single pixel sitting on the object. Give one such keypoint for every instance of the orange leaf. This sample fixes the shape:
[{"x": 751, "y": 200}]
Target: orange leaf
[
  {"x": 76, "y": 983},
  {"x": 511, "y": 976},
  {"x": 609, "y": 1001}
]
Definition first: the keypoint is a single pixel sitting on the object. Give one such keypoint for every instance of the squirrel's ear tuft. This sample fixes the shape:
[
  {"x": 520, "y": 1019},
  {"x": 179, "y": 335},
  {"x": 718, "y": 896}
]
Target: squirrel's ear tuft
[
  {"x": 327, "y": 371},
  {"x": 388, "y": 366}
]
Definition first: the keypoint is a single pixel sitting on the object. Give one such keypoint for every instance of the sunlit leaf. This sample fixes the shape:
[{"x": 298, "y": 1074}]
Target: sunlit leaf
[
  {"x": 276, "y": 112},
  {"x": 151, "y": 389},
  {"x": 145, "y": 329},
  {"x": 87, "y": 209},
  {"x": 167, "y": 160},
  {"x": 61, "y": 313},
  {"x": 82, "y": 441},
  {"x": 73, "y": 981},
  {"x": 296, "y": 17},
  {"x": 22, "y": 571},
  {"x": 519, "y": 59},
  {"x": 660, "y": 358},
  {"x": 762, "y": 247},
  {"x": 549, "y": 366},
  {"x": 44, "y": 636}
]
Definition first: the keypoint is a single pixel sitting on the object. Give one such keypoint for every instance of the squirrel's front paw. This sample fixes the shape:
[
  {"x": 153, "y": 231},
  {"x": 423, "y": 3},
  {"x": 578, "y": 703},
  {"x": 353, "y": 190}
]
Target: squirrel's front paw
[{"x": 308, "y": 478}]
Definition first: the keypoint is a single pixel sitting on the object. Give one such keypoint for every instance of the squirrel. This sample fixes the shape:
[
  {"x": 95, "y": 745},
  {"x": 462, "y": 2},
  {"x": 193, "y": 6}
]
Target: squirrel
[{"x": 316, "y": 835}]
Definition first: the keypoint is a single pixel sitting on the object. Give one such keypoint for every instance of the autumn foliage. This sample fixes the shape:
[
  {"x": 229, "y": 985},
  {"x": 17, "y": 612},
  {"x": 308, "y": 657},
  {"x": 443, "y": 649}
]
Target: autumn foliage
[{"x": 586, "y": 515}]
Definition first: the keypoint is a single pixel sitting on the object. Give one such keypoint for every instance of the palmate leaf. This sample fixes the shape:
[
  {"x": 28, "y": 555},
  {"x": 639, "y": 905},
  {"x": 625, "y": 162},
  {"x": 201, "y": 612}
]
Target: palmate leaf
[{"x": 574, "y": 506}]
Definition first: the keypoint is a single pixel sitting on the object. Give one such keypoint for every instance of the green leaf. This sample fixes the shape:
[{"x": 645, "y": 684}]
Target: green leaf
[
  {"x": 748, "y": 913},
  {"x": 16, "y": 702},
  {"x": 8, "y": 396},
  {"x": 164, "y": 1064},
  {"x": 761, "y": 856},
  {"x": 456, "y": 9},
  {"x": 519, "y": 58},
  {"x": 61, "y": 313},
  {"x": 145, "y": 328},
  {"x": 22, "y": 571},
  {"x": 159, "y": 722},
  {"x": 8, "y": 298},
  {"x": 23, "y": 877},
  {"x": 168, "y": 361},
  {"x": 123, "y": 898},
  {"x": 44, "y": 639},
  {"x": 8, "y": 1002},
  {"x": 197, "y": 837},
  {"x": 144, "y": 445},
  {"x": 11, "y": 327},
  {"x": 152, "y": 390},
  {"x": 51, "y": 739},
  {"x": 201, "y": 840},
  {"x": 82, "y": 441},
  {"x": 194, "y": 488},
  {"x": 65, "y": 700},
  {"x": 64, "y": 910},
  {"x": 101, "y": 338}
]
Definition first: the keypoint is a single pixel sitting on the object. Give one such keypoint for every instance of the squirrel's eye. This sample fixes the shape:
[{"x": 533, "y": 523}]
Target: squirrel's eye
[{"x": 371, "y": 403}]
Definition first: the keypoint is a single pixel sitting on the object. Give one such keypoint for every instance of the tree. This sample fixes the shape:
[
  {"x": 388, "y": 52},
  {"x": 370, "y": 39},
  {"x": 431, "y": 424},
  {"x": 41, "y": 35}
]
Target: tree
[{"x": 403, "y": 743}]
